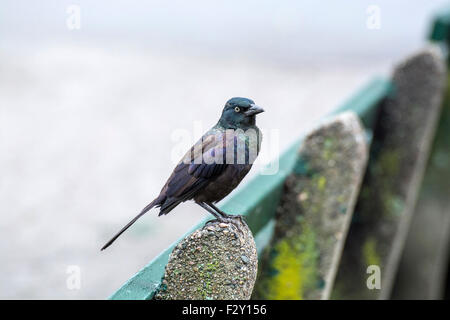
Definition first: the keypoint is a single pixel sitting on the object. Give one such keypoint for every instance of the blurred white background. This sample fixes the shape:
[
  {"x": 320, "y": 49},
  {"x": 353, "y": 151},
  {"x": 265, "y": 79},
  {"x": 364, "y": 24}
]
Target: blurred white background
[{"x": 87, "y": 115}]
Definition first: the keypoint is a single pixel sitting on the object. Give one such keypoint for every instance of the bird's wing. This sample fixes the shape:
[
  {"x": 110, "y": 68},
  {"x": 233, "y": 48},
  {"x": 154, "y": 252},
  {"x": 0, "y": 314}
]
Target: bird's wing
[
  {"x": 193, "y": 173},
  {"x": 204, "y": 162},
  {"x": 207, "y": 157}
]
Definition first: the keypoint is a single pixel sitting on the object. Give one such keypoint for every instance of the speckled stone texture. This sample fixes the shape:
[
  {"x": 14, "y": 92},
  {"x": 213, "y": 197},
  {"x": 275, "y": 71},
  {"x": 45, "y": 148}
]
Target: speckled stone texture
[
  {"x": 217, "y": 262},
  {"x": 315, "y": 212}
]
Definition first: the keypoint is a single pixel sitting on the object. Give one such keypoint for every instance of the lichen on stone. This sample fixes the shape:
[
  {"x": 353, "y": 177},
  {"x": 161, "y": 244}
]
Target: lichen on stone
[
  {"x": 294, "y": 266},
  {"x": 218, "y": 261},
  {"x": 314, "y": 213},
  {"x": 370, "y": 254}
]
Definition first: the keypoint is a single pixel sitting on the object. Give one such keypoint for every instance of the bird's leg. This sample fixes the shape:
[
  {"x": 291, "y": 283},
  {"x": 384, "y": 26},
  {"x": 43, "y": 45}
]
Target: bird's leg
[
  {"x": 221, "y": 216},
  {"x": 225, "y": 215},
  {"x": 210, "y": 210},
  {"x": 230, "y": 218}
]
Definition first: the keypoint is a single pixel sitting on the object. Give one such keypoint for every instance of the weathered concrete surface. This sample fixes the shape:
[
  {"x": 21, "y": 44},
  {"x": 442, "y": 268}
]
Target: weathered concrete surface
[
  {"x": 426, "y": 253},
  {"x": 398, "y": 155},
  {"x": 314, "y": 213},
  {"x": 218, "y": 261}
]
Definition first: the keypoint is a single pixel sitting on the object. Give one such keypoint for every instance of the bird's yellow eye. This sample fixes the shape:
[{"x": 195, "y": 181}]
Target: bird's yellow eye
[{"x": 237, "y": 109}]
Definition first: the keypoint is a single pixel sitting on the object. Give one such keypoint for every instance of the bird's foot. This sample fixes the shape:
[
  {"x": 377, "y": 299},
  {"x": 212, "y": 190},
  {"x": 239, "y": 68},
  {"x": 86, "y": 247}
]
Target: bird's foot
[
  {"x": 212, "y": 221},
  {"x": 233, "y": 219},
  {"x": 229, "y": 219}
]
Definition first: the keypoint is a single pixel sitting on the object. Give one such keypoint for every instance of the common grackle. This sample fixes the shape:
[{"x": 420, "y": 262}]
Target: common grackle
[{"x": 214, "y": 166}]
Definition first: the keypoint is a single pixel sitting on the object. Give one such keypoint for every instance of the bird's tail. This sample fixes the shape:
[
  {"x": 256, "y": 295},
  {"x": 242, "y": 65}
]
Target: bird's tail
[{"x": 129, "y": 224}]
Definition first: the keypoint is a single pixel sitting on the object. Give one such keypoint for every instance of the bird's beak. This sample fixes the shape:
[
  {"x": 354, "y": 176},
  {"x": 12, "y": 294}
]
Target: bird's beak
[{"x": 254, "y": 109}]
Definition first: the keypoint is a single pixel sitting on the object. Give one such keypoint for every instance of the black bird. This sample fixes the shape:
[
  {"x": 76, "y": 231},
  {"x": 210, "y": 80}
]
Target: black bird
[{"x": 214, "y": 166}]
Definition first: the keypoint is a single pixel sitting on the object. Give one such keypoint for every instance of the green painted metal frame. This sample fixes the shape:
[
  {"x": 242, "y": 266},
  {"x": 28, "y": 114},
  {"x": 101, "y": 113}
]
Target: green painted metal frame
[
  {"x": 259, "y": 198},
  {"x": 440, "y": 30}
]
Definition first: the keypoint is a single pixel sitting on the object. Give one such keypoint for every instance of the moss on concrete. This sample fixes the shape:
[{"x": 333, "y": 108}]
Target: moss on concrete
[
  {"x": 218, "y": 261},
  {"x": 370, "y": 254},
  {"x": 314, "y": 213},
  {"x": 295, "y": 266}
]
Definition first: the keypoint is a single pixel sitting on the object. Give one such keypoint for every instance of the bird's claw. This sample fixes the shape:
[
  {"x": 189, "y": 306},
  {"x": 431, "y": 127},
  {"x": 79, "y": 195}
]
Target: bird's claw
[
  {"x": 212, "y": 221},
  {"x": 230, "y": 219},
  {"x": 237, "y": 216}
]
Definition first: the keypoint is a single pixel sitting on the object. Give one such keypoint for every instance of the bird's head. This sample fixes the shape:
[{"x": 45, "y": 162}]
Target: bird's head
[{"x": 239, "y": 113}]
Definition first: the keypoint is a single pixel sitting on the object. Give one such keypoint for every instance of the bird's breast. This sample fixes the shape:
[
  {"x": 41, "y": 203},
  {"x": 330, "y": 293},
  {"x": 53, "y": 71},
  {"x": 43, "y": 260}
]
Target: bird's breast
[
  {"x": 240, "y": 149},
  {"x": 225, "y": 183}
]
